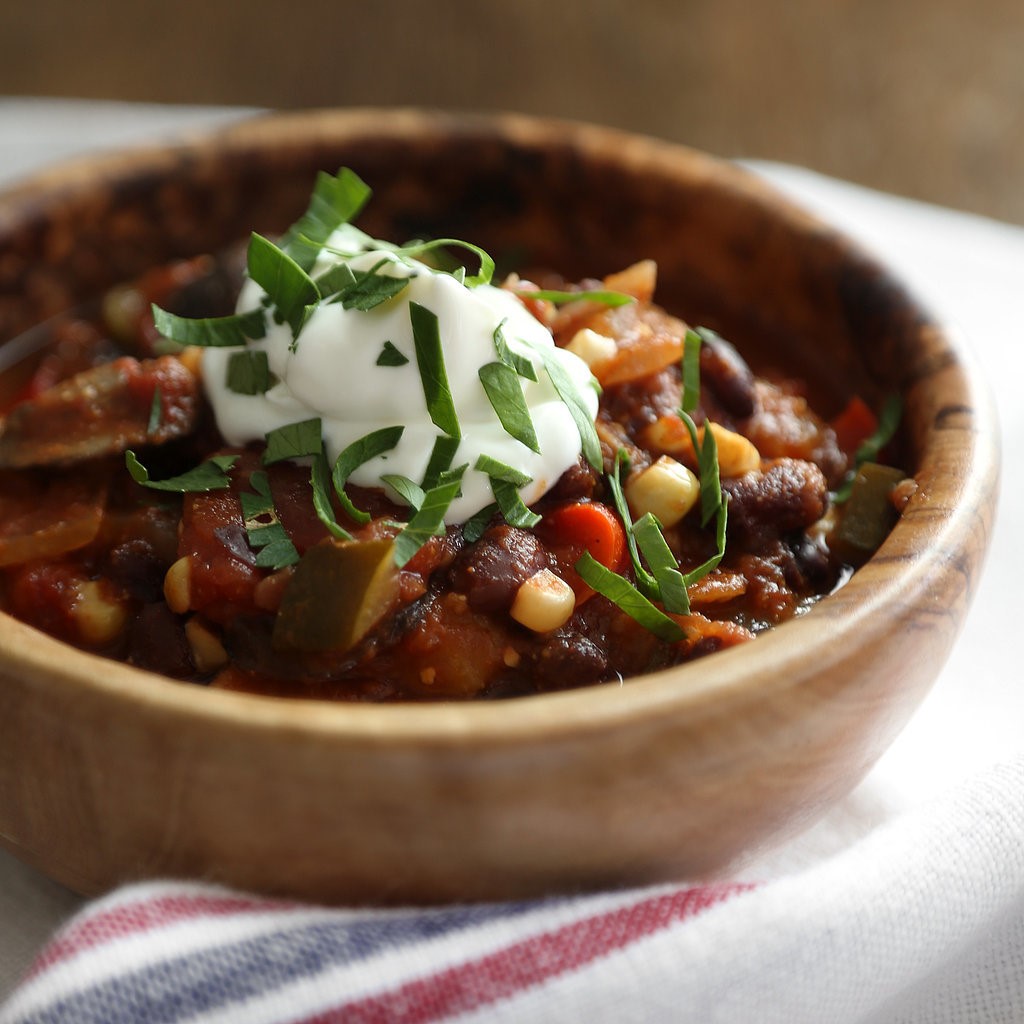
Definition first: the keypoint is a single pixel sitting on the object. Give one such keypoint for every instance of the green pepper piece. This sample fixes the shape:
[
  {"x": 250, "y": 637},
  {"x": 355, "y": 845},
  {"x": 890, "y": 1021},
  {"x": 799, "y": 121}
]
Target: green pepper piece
[
  {"x": 340, "y": 591},
  {"x": 868, "y": 515}
]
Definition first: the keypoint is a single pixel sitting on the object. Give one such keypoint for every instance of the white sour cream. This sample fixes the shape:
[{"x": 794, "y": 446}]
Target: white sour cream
[{"x": 333, "y": 374}]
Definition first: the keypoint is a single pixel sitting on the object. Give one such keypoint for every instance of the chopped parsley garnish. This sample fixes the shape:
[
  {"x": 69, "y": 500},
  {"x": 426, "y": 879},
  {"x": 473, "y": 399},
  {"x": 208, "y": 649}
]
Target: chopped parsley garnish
[
  {"x": 441, "y": 457},
  {"x": 707, "y": 467},
  {"x": 645, "y": 581},
  {"x": 505, "y": 393},
  {"x": 336, "y": 200},
  {"x": 429, "y": 519},
  {"x": 605, "y": 298},
  {"x": 249, "y": 372},
  {"x": 483, "y": 276},
  {"x": 655, "y": 568},
  {"x": 391, "y": 356},
  {"x": 659, "y": 579},
  {"x": 360, "y": 289},
  {"x": 292, "y": 292},
  {"x": 263, "y": 526},
  {"x": 691, "y": 370},
  {"x": 628, "y": 599},
  {"x": 294, "y": 441},
  {"x": 210, "y": 475},
  {"x": 408, "y": 490},
  {"x": 274, "y": 547},
  {"x": 258, "y": 509},
  {"x": 512, "y": 507},
  {"x": 713, "y": 503},
  {"x": 355, "y": 455},
  {"x": 474, "y": 527},
  {"x": 707, "y": 451},
  {"x": 664, "y": 567},
  {"x": 430, "y": 361},
  {"x": 498, "y": 470},
  {"x": 333, "y": 282},
  {"x": 521, "y": 364},
  {"x": 721, "y": 522},
  {"x": 212, "y": 332},
  {"x": 566, "y": 389},
  {"x": 505, "y": 483},
  {"x": 414, "y": 250},
  {"x": 156, "y": 412},
  {"x": 320, "y": 481}
]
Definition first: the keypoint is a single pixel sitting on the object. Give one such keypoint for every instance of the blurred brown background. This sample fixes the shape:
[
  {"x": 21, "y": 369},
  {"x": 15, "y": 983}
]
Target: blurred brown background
[{"x": 920, "y": 98}]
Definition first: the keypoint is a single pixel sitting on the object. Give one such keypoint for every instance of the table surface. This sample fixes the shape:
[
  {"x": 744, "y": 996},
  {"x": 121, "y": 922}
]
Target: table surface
[{"x": 968, "y": 269}]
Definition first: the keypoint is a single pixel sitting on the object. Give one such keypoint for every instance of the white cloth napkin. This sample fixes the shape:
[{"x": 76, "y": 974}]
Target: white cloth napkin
[
  {"x": 905, "y": 904},
  {"x": 922, "y": 921}
]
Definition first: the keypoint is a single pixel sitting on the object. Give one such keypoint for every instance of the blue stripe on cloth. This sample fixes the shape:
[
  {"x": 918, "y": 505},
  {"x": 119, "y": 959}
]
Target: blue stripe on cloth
[{"x": 183, "y": 987}]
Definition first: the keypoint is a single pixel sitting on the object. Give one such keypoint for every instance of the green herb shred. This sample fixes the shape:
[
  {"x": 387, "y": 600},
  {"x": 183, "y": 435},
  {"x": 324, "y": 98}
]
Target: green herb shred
[
  {"x": 628, "y": 599},
  {"x": 430, "y": 361},
  {"x": 248, "y": 372},
  {"x": 263, "y": 528},
  {"x": 292, "y": 292},
  {"x": 336, "y": 200},
  {"x": 294, "y": 441},
  {"x": 211, "y": 332},
  {"x": 391, "y": 356},
  {"x": 429, "y": 519},
  {"x": 505, "y": 393},
  {"x": 210, "y": 475},
  {"x": 355, "y": 455}
]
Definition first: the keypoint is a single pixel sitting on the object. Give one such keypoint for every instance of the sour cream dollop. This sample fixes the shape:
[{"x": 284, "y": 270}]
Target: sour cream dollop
[{"x": 331, "y": 372}]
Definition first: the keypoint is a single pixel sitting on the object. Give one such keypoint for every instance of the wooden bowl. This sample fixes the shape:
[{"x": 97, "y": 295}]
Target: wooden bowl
[{"x": 109, "y": 774}]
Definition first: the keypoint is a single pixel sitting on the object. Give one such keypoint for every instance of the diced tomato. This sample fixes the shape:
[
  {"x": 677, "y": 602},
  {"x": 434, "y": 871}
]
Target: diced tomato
[
  {"x": 854, "y": 425},
  {"x": 43, "y": 594}
]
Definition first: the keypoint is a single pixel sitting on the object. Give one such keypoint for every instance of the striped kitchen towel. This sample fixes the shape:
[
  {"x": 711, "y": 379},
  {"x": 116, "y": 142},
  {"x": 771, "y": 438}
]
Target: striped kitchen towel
[{"x": 922, "y": 921}]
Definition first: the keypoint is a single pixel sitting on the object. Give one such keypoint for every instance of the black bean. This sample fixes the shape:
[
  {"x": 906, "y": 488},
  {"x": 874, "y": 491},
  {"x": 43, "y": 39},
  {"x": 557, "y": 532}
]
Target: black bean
[
  {"x": 491, "y": 571},
  {"x": 785, "y": 495},
  {"x": 724, "y": 371}
]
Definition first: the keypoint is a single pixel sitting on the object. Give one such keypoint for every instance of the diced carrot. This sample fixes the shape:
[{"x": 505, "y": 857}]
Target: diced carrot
[{"x": 570, "y": 530}]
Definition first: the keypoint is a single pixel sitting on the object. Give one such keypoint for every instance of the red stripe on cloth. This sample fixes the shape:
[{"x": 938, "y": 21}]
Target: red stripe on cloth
[
  {"x": 143, "y": 915},
  {"x": 477, "y": 983}
]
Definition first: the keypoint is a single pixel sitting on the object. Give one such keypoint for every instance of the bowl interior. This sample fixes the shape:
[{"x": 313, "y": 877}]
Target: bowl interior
[{"x": 678, "y": 773}]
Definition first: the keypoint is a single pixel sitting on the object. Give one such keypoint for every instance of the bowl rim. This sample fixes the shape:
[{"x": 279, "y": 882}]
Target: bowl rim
[{"x": 710, "y": 683}]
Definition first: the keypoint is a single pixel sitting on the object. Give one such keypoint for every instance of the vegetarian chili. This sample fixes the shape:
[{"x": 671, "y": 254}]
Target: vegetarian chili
[{"x": 700, "y": 506}]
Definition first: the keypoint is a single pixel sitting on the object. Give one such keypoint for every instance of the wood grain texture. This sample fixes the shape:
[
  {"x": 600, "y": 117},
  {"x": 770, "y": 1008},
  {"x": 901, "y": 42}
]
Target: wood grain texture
[{"x": 109, "y": 774}]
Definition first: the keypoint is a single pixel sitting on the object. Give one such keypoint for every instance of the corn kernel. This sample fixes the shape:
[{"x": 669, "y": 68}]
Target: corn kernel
[
  {"x": 544, "y": 602},
  {"x": 267, "y": 594},
  {"x": 208, "y": 652},
  {"x": 669, "y": 434},
  {"x": 667, "y": 489},
  {"x": 177, "y": 586},
  {"x": 736, "y": 454},
  {"x": 596, "y": 350},
  {"x": 98, "y": 617}
]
